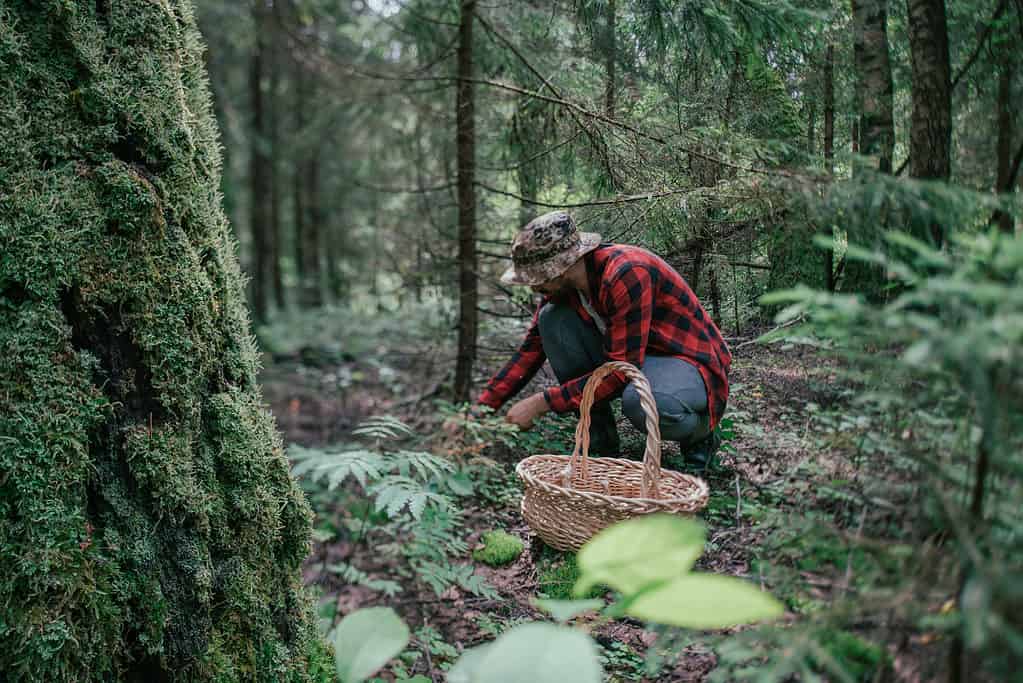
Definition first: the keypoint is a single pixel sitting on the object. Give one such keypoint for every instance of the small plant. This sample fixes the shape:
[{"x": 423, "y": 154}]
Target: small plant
[
  {"x": 405, "y": 487},
  {"x": 648, "y": 561},
  {"x": 499, "y": 548},
  {"x": 558, "y": 574},
  {"x": 623, "y": 660}
]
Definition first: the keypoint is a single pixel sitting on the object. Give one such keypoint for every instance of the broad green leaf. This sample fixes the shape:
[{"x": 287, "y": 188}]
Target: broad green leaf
[
  {"x": 535, "y": 652},
  {"x": 636, "y": 553},
  {"x": 563, "y": 610},
  {"x": 367, "y": 639},
  {"x": 704, "y": 601}
]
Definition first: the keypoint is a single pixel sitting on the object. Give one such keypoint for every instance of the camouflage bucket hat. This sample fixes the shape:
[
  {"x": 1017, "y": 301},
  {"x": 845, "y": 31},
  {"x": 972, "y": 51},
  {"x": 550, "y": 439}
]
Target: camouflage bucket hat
[{"x": 546, "y": 248}]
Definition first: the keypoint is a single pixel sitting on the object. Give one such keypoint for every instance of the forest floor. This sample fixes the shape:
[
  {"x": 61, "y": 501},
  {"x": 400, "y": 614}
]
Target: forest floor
[{"x": 780, "y": 402}]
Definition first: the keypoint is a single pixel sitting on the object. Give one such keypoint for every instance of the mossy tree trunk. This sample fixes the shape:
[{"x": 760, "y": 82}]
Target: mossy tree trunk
[{"x": 152, "y": 530}]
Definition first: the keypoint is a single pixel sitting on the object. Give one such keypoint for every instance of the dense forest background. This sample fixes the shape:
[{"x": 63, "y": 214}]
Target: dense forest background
[{"x": 838, "y": 181}]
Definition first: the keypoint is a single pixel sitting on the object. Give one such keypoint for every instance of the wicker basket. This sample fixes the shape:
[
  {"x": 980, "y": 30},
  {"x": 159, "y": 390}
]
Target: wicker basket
[{"x": 568, "y": 499}]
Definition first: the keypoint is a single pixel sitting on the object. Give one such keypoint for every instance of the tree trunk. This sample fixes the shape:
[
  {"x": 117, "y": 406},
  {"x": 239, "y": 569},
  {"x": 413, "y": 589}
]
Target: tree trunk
[
  {"x": 931, "y": 124},
  {"x": 465, "y": 140},
  {"x": 715, "y": 295},
  {"x": 333, "y": 252},
  {"x": 611, "y": 58},
  {"x": 829, "y": 153},
  {"x": 312, "y": 273},
  {"x": 298, "y": 204},
  {"x": 811, "y": 129},
  {"x": 1004, "y": 181},
  {"x": 526, "y": 171},
  {"x": 875, "y": 133},
  {"x": 273, "y": 110},
  {"x": 152, "y": 531},
  {"x": 259, "y": 171},
  {"x": 874, "y": 74}
]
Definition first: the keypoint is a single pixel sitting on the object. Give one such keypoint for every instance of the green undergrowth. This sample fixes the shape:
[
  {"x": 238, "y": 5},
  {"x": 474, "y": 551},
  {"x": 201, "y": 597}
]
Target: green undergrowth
[
  {"x": 152, "y": 529},
  {"x": 499, "y": 548},
  {"x": 557, "y": 573}
]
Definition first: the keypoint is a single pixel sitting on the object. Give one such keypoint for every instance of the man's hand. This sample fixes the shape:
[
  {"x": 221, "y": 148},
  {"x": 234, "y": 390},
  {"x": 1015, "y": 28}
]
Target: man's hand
[{"x": 528, "y": 409}]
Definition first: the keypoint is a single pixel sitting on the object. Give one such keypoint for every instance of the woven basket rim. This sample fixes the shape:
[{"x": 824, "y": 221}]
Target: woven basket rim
[{"x": 530, "y": 479}]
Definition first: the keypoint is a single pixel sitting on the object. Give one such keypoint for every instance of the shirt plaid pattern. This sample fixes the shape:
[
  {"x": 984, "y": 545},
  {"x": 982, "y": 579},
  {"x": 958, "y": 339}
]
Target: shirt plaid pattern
[{"x": 649, "y": 309}]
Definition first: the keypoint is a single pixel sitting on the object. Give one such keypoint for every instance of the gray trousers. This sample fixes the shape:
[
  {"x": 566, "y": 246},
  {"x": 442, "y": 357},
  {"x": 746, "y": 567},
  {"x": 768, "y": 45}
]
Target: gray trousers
[{"x": 575, "y": 348}]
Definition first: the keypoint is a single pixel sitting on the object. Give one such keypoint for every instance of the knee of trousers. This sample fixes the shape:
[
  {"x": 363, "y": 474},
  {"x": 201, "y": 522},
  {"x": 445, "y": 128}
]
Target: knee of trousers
[{"x": 677, "y": 421}]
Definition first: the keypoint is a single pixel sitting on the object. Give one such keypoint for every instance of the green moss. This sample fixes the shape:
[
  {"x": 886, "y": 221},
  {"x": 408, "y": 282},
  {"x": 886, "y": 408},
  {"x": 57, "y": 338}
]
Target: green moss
[
  {"x": 557, "y": 573},
  {"x": 152, "y": 530},
  {"x": 499, "y": 548},
  {"x": 859, "y": 658}
]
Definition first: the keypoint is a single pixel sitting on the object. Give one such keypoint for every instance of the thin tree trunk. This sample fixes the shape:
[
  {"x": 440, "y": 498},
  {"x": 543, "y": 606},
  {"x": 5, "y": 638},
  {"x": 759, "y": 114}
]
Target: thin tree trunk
[
  {"x": 465, "y": 140},
  {"x": 273, "y": 110},
  {"x": 333, "y": 251},
  {"x": 875, "y": 133},
  {"x": 298, "y": 205},
  {"x": 526, "y": 171},
  {"x": 829, "y": 152},
  {"x": 259, "y": 176},
  {"x": 312, "y": 273},
  {"x": 874, "y": 73},
  {"x": 1003, "y": 182},
  {"x": 715, "y": 294},
  {"x": 931, "y": 123},
  {"x": 611, "y": 59},
  {"x": 811, "y": 128}
]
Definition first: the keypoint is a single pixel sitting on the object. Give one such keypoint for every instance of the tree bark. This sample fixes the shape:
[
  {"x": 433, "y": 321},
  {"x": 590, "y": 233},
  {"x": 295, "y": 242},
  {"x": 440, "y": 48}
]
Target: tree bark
[
  {"x": 151, "y": 529},
  {"x": 874, "y": 137},
  {"x": 829, "y": 153},
  {"x": 273, "y": 30},
  {"x": 811, "y": 129},
  {"x": 465, "y": 142},
  {"x": 931, "y": 123},
  {"x": 874, "y": 75},
  {"x": 312, "y": 272},
  {"x": 298, "y": 203},
  {"x": 1003, "y": 180},
  {"x": 259, "y": 170},
  {"x": 611, "y": 59}
]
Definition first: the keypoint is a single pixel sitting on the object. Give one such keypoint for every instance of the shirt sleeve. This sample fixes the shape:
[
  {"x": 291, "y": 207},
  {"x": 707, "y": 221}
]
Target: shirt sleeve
[
  {"x": 628, "y": 298},
  {"x": 517, "y": 372}
]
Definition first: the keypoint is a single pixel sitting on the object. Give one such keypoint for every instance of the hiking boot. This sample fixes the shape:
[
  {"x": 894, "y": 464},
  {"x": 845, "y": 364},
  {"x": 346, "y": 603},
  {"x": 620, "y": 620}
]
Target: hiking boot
[{"x": 699, "y": 457}]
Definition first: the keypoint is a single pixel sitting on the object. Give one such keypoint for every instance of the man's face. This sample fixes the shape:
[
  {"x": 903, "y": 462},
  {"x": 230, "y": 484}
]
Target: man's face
[{"x": 554, "y": 288}]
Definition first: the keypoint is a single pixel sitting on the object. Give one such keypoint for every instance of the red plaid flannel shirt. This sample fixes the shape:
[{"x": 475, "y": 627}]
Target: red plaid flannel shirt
[{"x": 648, "y": 308}]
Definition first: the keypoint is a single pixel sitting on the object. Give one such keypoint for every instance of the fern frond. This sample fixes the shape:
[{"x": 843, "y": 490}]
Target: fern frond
[
  {"x": 394, "y": 493},
  {"x": 423, "y": 464},
  {"x": 440, "y": 577},
  {"x": 382, "y": 427},
  {"x": 354, "y": 575},
  {"x": 335, "y": 467}
]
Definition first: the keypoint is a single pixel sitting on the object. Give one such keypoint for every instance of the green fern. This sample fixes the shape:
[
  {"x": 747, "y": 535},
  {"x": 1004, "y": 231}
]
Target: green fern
[
  {"x": 354, "y": 575},
  {"x": 394, "y": 493},
  {"x": 422, "y": 464},
  {"x": 440, "y": 576},
  {"x": 383, "y": 427},
  {"x": 336, "y": 466}
]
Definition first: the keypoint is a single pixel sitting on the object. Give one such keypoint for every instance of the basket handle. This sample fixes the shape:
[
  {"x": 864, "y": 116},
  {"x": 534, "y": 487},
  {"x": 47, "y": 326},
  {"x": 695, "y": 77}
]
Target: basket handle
[{"x": 652, "y": 455}]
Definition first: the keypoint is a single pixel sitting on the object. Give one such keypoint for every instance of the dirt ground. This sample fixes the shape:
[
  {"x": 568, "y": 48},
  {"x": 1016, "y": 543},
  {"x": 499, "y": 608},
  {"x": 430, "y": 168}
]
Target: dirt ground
[{"x": 774, "y": 392}]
